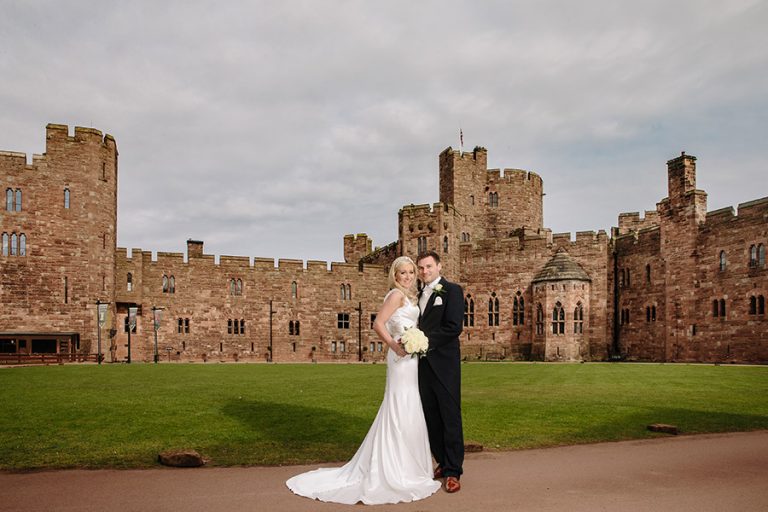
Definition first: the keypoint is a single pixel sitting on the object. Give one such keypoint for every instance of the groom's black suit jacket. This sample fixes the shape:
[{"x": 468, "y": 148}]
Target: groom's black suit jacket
[{"x": 442, "y": 324}]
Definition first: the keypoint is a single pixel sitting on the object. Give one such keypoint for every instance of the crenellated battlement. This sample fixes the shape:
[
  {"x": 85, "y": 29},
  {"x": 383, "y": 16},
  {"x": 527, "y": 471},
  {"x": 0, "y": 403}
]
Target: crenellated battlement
[
  {"x": 516, "y": 177},
  {"x": 57, "y": 133}
]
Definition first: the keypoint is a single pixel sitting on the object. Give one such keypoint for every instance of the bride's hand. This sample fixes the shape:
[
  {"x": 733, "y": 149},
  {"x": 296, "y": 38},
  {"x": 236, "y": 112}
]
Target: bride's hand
[{"x": 399, "y": 349}]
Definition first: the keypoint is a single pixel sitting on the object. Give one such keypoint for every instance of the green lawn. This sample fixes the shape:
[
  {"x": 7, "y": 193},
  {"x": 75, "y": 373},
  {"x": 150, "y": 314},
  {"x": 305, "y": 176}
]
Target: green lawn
[{"x": 123, "y": 415}]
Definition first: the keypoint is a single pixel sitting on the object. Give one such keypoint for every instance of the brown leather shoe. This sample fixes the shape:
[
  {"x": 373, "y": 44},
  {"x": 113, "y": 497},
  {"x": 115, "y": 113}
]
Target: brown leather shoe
[
  {"x": 438, "y": 473},
  {"x": 452, "y": 484}
]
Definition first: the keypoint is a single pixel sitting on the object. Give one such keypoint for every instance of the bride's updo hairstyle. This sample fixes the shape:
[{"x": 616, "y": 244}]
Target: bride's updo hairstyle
[{"x": 397, "y": 265}]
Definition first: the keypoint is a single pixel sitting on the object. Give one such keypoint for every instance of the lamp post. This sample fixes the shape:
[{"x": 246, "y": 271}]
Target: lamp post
[
  {"x": 101, "y": 319},
  {"x": 359, "y": 310},
  {"x": 271, "y": 313},
  {"x": 156, "y": 315},
  {"x": 132, "y": 311}
]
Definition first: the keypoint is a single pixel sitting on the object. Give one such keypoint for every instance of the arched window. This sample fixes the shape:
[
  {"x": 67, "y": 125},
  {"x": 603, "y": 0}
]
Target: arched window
[
  {"x": 493, "y": 199},
  {"x": 753, "y": 305},
  {"x": 5, "y": 244},
  {"x": 469, "y": 311},
  {"x": 558, "y": 319},
  {"x": 180, "y": 326},
  {"x": 578, "y": 319},
  {"x": 172, "y": 285},
  {"x": 493, "y": 310},
  {"x": 66, "y": 198},
  {"x": 422, "y": 245},
  {"x": 722, "y": 307},
  {"x": 723, "y": 262},
  {"x": 753, "y": 255},
  {"x": 236, "y": 324},
  {"x": 343, "y": 292},
  {"x": 294, "y": 290},
  {"x": 290, "y": 327},
  {"x": 239, "y": 287},
  {"x": 445, "y": 244},
  {"x": 518, "y": 309},
  {"x": 130, "y": 283},
  {"x": 647, "y": 313},
  {"x": 760, "y": 305},
  {"x": 18, "y": 199},
  {"x": 297, "y": 326},
  {"x": 715, "y": 308},
  {"x": 165, "y": 283},
  {"x": 349, "y": 292},
  {"x": 232, "y": 286},
  {"x": 653, "y": 313},
  {"x": 14, "y": 244},
  {"x": 761, "y": 255},
  {"x": 22, "y": 245},
  {"x": 9, "y": 200},
  {"x": 622, "y": 278},
  {"x": 539, "y": 319},
  {"x": 242, "y": 326}
]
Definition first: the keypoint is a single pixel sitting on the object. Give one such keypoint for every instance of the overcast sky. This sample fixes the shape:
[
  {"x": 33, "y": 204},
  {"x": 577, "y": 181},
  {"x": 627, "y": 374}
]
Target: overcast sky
[{"x": 272, "y": 129}]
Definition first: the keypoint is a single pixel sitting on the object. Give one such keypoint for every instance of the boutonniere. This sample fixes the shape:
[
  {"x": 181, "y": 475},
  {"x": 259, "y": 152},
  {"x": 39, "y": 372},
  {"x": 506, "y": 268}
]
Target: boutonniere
[{"x": 438, "y": 289}]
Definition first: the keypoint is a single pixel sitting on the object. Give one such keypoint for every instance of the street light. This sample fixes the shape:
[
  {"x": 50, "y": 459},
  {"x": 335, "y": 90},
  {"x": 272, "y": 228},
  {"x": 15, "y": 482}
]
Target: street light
[
  {"x": 359, "y": 310},
  {"x": 156, "y": 315}
]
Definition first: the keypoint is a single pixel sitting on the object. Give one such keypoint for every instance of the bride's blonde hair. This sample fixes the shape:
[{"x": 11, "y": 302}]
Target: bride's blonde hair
[{"x": 394, "y": 268}]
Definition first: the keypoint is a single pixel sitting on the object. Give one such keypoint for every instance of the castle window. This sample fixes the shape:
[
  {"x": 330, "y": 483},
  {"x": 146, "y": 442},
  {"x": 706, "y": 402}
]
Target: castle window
[
  {"x": 18, "y": 199},
  {"x": 165, "y": 283},
  {"x": 342, "y": 346},
  {"x": 469, "y": 311},
  {"x": 753, "y": 305},
  {"x": 236, "y": 325},
  {"x": 180, "y": 326},
  {"x": 231, "y": 286},
  {"x": 653, "y": 313},
  {"x": 422, "y": 245},
  {"x": 186, "y": 326},
  {"x": 66, "y": 198},
  {"x": 9, "y": 200},
  {"x": 558, "y": 319},
  {"x": 493, "y": 199},
  {"x": 761, "y": 256},
  {"x": 373, "y": 319},
  {"x": 296, "y": 327},
  {"x": 229, "y": 326},
  {"x": 578, "y": 319},
  {"x": 715, "y": 308},
  {"x": 472, "y": 200},
  {"x": 493, "y": 310},
  {"x": 130, "y": 282},
  {"x": 14, "y": 244},
  {"x": 242, "y": 326},
  {"x": 622, "y": 278},
  {"x": 342, "y": 321},
  {"x": 349, "y": 292},
  {"x": 333, "y": 346},
  {"x": 518, "y": 310},
  {"x": 539, "y": 319},
  {"x": 381, "y": 347},
  {"x": 172, "y": 285},
  {"x": 648, "y": 273},
  {"x": 445, "y": 244},
  {"x": 753, "y": 255},
  {"x": 5, "y": 244},
  {"x": 291, "y": 331},
  {"x": 104, "y": 171},
  {"x": 294, "y": 290},
  {"x": 722, "y": 307},
  {"x": 343, "y": 292},
  {"x": 66, "y": 290},
  {"x": 239, "y": 287},
  {"x": 760, "y": 305},
  {"x": 723, "y": 262},
  {"x": 22, "y": 245},
  {"x": 372, "y": 348},
  {"x": 293, "y": 345}
]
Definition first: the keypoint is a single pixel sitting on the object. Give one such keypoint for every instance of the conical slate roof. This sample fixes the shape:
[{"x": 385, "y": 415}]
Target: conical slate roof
[{"x": 561, "y": 268}]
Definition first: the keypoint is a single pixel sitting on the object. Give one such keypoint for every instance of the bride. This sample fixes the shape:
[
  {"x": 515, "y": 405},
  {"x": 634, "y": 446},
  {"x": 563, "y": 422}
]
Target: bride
[{"x": 394, "y": 463}]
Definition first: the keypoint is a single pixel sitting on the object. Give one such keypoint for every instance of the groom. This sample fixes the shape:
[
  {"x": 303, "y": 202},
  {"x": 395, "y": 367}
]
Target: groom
[{"x": 442, "y": 313}]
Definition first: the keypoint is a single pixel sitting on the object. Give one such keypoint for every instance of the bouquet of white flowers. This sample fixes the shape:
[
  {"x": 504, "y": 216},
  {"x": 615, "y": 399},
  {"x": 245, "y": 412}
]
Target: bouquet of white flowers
[{"x": 415, "y": 342}]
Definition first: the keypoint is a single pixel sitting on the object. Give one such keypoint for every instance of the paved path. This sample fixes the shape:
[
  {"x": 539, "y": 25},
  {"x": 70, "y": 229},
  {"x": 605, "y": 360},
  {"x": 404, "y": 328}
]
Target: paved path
[{"x": 720, "y": 472}]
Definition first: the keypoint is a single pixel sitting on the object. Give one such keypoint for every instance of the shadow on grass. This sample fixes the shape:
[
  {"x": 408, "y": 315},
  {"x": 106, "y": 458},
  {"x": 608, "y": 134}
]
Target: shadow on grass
[{"x": 291, "y": 423}]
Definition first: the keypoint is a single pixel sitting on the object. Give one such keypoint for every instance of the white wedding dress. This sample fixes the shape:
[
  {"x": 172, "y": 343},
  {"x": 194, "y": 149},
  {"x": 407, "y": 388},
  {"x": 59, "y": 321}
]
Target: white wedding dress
[{"x": 394, "y": 463}]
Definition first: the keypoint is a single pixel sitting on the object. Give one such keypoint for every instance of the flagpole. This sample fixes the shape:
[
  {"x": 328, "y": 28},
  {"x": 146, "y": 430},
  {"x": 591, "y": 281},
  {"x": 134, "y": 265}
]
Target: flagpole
[{"x": 461, "y": 141}]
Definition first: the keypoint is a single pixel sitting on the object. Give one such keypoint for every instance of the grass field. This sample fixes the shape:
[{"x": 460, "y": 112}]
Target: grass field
[{"x": 122, "y": 416}]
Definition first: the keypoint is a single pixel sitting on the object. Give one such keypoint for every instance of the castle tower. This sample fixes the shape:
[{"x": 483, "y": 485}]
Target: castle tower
[
  {"x": 561, "y": 293},
  {"x": 681, "y": 214},
  {"x": 66, "y": 211}
]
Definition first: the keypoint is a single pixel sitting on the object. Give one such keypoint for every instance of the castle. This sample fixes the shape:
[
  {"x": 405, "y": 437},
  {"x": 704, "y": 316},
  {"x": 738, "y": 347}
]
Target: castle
[{"x": 678, "y": 284}]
